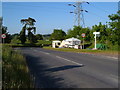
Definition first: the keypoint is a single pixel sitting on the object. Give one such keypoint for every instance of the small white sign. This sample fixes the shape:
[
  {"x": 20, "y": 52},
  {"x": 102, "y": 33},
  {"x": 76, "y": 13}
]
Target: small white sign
[
  {"x": 96, "y": 32},
  {"x": 3, "y": 36}
]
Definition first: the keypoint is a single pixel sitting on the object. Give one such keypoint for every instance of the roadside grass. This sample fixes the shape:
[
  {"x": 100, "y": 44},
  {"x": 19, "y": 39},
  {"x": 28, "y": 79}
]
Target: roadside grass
[
  {"x": 44, "y": 43},
  {"x": 14, "y": 69},
  {"x": 102, "y": 52},
  {"x": 40, "y": 43},
  {"x": 24, "y": 45}
]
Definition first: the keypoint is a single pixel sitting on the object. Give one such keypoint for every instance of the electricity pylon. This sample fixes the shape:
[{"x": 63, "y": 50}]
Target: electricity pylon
[{"x": 79, "y": 17}]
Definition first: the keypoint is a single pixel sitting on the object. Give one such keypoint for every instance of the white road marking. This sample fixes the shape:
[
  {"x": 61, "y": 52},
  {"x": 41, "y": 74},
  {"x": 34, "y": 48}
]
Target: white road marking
[
  {"x": 112, "y": 57},
  {"x": 43, "y": 52},
  {"x": 61, "y": 58},
  {"x": 69, "y": 60},
  {"x": 114, "y": 77}
]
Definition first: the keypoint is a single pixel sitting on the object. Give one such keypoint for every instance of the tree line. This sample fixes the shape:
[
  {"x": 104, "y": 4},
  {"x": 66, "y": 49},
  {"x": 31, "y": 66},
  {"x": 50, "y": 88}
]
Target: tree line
[{"x": 109, "y": 32}]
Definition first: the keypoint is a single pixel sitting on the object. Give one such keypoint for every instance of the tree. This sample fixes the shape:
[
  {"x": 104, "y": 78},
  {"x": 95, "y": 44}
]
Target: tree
[
  {"x": 74, "y": 33},
  {"x": 87, "y": 34},
  {"x": 115, "y": 27},
  {"x": 29, "y": 26},
  {"x": 58, "y": 34},
  {"x": 22, "y": 35},
  {"x": 103, "y": 32},
  {"x": 8, "y": 36},
  {"x": 77, "y": 32},
  {"x": 4, "y": 30},
  {"x": 39, "y": 37}
]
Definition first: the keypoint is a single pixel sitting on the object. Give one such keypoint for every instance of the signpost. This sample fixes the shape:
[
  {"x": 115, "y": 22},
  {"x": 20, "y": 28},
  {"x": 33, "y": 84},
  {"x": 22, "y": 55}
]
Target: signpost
[
  {"x": 83, "y": 35},
  {"x": 96, "y": 33},
  {"x": 3, "y": 36}
]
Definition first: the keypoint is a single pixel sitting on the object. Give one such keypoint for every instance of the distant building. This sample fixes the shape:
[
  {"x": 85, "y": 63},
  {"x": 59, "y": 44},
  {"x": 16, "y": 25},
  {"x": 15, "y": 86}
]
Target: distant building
[
  {"x": 56, "y": 44},
  {"x": 71, "y": 43}
]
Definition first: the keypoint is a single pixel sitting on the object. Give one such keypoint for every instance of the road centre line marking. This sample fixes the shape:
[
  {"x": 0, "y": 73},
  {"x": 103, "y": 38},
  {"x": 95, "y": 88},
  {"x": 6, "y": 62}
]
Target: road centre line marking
[
  {"x": 111, "y": 57},
  {"x": 69, "y": 60},
  {"x": 114, "y": 78},
  {"x": 84, "y": 53},
  {"x": 43, "y": 52},
  {"x": 62, "y": 58}
]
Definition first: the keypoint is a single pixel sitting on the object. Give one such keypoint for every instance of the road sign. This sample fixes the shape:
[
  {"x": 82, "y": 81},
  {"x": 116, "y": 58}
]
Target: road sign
[
  {"x": 3, "y": 36},
  {"x": 96, "y": 32},
  {"x": 83, "y": 34}
]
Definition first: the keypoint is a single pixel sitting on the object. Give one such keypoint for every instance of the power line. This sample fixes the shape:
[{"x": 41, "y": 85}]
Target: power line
[
  {"x": 97, "y": 15},
  {"x": 79, "y": 17},
  {"x": 103, "y": 10}
]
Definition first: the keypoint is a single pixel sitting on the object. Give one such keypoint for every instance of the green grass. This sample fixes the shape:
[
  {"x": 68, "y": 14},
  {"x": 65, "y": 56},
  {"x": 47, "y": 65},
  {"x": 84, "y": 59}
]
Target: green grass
[
  {"x": 40, "y": 43},
  {"x": 104, "y": 52},
  {"x": 24, "y": 45},
  {"x": 45, "y": 43},
  {"x": 15, "y": 70}
]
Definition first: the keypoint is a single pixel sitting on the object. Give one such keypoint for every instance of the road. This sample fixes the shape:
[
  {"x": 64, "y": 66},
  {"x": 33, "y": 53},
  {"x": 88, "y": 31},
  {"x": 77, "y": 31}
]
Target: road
[{"x": 56, "y": 69}]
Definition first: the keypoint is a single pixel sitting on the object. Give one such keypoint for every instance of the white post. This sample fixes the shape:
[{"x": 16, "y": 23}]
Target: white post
[
  {"x": 95, "y": 37},
  {"x": 83, "y": 42},
  {"x": 95, "y": 41}
]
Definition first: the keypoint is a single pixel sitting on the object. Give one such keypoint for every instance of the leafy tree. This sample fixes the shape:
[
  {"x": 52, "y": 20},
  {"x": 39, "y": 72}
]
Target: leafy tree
[
  {"x": 8, "y": 36},
  {"x": 77, "y": 32},
  {"x": 29, "y": 26},
  {"x": 15, "y": 38},
  {"x": 74, "y": 33},
  {"x": 115, "y": 27},
  {"x": 58, "y": 35},
  {"x": 39, "y": 37},
  {"x": 3, "y": 30},
  {"x": 87, "y": 34},
  {"x": 46, "y": 36},
  {"x": 22, "y": 35},
  {"x": 103, "y": 32},
  {"x": 15, "y": 35}
]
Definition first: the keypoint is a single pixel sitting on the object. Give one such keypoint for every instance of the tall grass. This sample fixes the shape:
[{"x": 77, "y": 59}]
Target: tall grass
[{"x": 15, "y": 71}]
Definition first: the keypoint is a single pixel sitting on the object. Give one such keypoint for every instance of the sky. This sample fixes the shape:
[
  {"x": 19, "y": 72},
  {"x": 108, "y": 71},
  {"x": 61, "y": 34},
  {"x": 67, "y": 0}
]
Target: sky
[
  {"x": 59, "y": 0},
  {"x": 54, "y": 15}
]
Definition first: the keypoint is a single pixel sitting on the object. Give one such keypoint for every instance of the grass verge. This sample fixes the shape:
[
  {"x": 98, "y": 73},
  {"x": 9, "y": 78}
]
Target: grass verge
[
  {"x": 14, "y": 69},
  {"x": 102, "y": 52}
]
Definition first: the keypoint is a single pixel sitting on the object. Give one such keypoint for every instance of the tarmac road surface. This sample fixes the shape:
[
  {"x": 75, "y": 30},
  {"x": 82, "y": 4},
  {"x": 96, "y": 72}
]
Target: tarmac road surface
[{"x": 56, "y": 69}]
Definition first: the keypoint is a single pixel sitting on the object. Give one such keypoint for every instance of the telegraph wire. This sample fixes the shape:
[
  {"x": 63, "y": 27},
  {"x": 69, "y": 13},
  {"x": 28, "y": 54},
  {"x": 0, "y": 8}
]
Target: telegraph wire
[
  {"x": 66, "y": 12},
  {"x": 27, "y": 7},
  {"x": 99, "y": 8}
]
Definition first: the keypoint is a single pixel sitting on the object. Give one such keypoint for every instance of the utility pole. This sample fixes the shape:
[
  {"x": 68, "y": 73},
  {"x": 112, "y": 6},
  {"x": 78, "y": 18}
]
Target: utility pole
[{"x": 79, "y": 17}]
